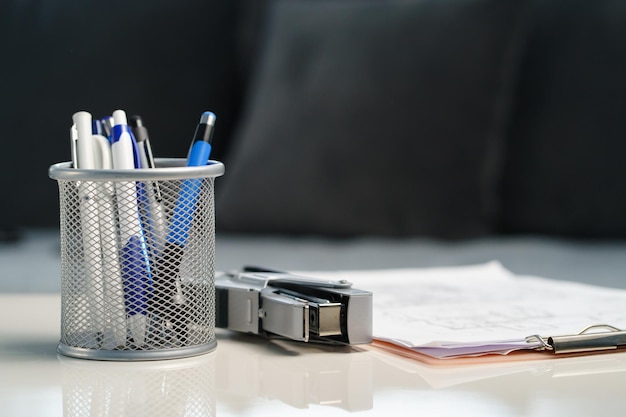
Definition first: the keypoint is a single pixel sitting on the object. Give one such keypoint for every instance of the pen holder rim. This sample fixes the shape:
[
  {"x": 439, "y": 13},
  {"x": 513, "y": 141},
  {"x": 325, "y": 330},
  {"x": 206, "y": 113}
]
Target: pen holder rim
[
  {"x": 135, "y": 355},
  {"x": 166, "y": 169}
]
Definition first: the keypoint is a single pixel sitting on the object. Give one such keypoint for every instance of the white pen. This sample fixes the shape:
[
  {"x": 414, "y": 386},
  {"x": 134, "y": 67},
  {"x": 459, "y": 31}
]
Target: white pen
[
  {"x": 85, "y": 159},
  {"x": 135, "y": 262},
  {"x": 115, "y": 312}
]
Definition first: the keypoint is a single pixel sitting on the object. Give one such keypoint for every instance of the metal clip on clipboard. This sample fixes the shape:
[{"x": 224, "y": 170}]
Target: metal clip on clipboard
[
  {"x": 279, "y": 304},
  {"x": 584, "y": 341}
]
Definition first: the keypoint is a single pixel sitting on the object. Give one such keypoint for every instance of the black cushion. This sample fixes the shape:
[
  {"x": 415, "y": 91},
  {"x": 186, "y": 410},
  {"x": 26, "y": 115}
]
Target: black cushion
[
  {"x": 566, "y": 173},
  {"x": 380, "y": 118}
]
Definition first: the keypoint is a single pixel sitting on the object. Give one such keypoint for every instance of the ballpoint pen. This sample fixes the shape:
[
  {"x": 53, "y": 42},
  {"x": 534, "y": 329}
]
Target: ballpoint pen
[
  {"x": 136, "y": 271},
  {"x": 198, "y": 155},
  {"x": 140, "y": 132},
  {"x": 155, "y": 217},
  {"x": 90, "y": 231},
  {"x": 112, "y": 320},
  {"x": 102, "y": 151},
  {"x": 114, "y": 309},
  {"x": 166, "y": 286}
]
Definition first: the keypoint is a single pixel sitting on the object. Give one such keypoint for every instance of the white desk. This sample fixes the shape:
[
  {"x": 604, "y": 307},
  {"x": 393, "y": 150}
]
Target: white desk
[{"x": 248, "y": 376}]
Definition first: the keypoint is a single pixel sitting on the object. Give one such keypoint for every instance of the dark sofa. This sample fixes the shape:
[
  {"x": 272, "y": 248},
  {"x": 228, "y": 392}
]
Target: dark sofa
[{"x": 451, "y": 120}]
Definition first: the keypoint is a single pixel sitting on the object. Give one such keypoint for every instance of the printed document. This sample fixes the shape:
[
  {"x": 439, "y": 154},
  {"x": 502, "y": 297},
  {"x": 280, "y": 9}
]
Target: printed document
[{"x": 474, "y": 310}]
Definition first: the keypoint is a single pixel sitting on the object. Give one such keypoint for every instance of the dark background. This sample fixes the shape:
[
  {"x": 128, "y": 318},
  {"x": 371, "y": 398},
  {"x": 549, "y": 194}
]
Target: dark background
[
  {"x": 167, "y": 61},
  {"x": 561, "y": 161}
]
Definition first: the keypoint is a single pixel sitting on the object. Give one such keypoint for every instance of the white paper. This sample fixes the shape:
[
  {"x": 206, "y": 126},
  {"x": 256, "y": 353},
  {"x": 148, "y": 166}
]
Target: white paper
[{"x": 478, "y": 309}]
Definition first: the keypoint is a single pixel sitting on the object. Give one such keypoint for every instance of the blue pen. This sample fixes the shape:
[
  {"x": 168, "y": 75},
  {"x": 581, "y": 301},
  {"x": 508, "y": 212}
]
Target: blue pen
[
  {"x": 136, "y": 271},
  {"x": 199, "y": 154},
  {"x": 97, "y": 128},
  {"x": 167, "y": 286}
]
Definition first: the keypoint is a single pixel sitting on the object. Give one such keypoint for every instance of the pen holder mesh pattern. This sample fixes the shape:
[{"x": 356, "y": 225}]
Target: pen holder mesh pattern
[{"x": 137, "y": 261}]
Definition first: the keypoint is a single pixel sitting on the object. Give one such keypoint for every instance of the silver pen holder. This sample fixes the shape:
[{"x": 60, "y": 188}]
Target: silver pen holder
[{"x": 137, "y": 261}]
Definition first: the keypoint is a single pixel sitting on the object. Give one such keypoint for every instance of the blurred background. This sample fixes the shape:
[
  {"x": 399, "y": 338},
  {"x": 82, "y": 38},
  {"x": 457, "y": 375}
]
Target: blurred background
[
  {"x": 166, "y": 61},
  {"x": 491, "y": 117}
]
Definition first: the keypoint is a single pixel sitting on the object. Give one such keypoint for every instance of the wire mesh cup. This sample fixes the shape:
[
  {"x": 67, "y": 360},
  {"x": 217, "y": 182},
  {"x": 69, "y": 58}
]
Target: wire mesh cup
[{"x": 137, "y": 261}]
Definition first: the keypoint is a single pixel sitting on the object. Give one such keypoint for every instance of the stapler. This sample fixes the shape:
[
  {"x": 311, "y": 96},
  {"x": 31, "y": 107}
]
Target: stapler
[{"x": 279, "y": 304}]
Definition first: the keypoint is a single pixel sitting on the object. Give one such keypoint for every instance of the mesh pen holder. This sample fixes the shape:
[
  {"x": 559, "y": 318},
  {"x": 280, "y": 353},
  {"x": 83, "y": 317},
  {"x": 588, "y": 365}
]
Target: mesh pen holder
[{"x": 137, "y": 261}]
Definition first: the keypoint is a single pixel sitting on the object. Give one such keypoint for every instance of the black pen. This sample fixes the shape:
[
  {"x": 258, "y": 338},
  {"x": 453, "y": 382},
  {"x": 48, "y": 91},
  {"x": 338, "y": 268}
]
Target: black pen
[{"x": 143, "y": 141}]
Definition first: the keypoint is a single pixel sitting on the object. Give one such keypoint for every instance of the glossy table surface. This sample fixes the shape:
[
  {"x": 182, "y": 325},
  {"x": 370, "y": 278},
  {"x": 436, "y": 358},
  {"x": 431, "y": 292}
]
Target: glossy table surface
[{"x": 249, "y": 376}]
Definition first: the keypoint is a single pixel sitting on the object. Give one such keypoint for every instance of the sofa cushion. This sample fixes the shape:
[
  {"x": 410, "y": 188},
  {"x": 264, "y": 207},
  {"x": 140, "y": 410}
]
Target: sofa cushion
[
  {"x": 565, "y": 172},
  {"x": 380, "y": 118}
]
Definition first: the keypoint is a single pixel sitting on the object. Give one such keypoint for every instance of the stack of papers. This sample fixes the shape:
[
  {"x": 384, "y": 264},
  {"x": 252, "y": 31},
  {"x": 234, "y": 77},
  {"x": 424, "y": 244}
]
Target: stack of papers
[{"x": 478, "y": 310}]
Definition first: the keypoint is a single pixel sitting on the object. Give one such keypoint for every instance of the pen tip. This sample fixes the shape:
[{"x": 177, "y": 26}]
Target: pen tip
[{"x": 207, "y": 118}]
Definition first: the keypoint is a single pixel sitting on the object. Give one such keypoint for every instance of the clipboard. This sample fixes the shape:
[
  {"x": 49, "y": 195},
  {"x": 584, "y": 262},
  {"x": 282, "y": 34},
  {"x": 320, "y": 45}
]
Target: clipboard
[
  {"x": 487, "y": 313},
  {"x": 584, "y": 343}
]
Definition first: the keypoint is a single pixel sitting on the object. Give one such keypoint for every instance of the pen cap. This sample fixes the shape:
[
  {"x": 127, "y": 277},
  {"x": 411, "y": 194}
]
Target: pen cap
[
  {"x": 139, "y": 130},
  {"x": 119, "y": 117},
  {"x": 84, "y": 144},
  {"x": 200, "y": 150},
  {"x": 124, "y": 148}
]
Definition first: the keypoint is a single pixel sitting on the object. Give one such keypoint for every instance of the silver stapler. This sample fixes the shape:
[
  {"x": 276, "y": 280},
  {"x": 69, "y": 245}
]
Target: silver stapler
[{"x": 279, "y": 304}]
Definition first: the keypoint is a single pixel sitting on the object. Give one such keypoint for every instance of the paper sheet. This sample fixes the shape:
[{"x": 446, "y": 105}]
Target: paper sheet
[{"x": 461, "y": 311}]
